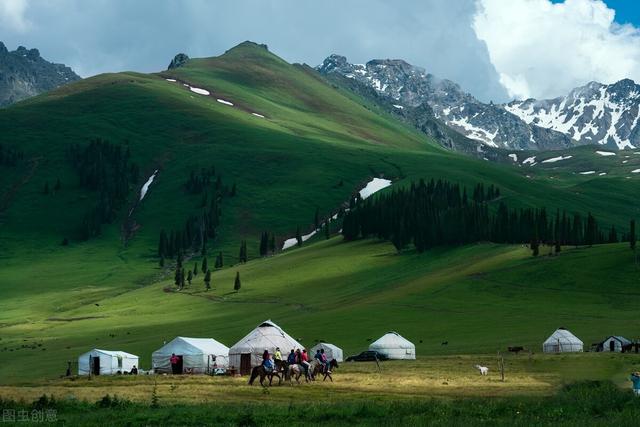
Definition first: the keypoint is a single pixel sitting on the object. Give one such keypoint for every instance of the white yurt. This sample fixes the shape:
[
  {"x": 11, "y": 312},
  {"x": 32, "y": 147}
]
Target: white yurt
[
  {"x": 247, "y": 352},
  {"x": 394, "y": 346},
  {"x": 562, "y": 341},
  {"x": 332, "y": 351},
  {"x": 195, "y": 356},
  {"x": 615, "y": 344},
  {"x": 106, "y": 362}
]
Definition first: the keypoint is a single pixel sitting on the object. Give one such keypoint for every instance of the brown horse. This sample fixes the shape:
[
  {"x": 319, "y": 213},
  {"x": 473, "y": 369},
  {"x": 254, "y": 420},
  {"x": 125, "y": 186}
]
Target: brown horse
[
  {"x": 260, "y": 371},
  {"x": 318, "y": 368}
]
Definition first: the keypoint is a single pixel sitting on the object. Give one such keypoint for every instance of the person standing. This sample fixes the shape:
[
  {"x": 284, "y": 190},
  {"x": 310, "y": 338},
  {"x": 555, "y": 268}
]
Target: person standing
[{"x": 174, "y": 363}]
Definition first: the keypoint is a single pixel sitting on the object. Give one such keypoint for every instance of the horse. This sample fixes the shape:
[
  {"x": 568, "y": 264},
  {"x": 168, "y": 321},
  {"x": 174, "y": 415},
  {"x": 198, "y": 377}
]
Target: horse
[
  {"x": 317, "y": 367},
  {"x": 260, "y": 371},
  {"x": 295, "y": 370}
]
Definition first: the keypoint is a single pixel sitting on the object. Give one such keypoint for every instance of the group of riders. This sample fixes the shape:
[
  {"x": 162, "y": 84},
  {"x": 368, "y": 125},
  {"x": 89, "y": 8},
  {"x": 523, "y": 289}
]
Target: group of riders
[{"x": 295, "y": 357}]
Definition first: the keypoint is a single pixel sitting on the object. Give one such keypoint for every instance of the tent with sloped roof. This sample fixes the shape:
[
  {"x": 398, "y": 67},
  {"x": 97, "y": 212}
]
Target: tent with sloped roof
[
  {"x": 196, "y": 355},
  {"x": 247, "y": 353},
  {"x": 562, "y": 341},
  {"x": 106, "y": 362},
  {"x": 615, "y": 343},
  {"x": 394, "y": 346},
  {"x": 332, "y": 351}
]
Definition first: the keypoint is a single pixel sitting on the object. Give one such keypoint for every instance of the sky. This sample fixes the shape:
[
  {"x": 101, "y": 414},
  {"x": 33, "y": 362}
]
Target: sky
[{"x": 495, "y": 49}]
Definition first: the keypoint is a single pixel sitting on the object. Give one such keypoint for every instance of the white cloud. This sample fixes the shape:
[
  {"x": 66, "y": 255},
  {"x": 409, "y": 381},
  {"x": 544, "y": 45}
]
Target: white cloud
[
  {"x": 544, "y": 50},
  {"x": 12, "y": 15}
]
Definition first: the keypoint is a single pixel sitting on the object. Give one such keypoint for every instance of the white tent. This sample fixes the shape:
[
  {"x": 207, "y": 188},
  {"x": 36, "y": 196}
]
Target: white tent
[
  {"x": 196, "y": 355},
  {"x": 332, "y": 351},
  {"x": 247, "y": 352},
  {"x": 562, "y": 341},
  {"x": 615, "y": 343},
  {"x": 394, "y": 346},
  {"x": 106, "y": 362}
]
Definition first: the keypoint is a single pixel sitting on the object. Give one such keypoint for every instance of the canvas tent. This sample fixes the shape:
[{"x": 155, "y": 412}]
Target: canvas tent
[
  {"x": 394, "y": 346},
  {"x": 106, "y": 362},
  {"x": 196, "y": 355},
  {"x": 332, "y": 351},
  {"x": 562, "y": 341},
  {"x": 615, "y": 344},
  {"x": 247, "y": 352}
]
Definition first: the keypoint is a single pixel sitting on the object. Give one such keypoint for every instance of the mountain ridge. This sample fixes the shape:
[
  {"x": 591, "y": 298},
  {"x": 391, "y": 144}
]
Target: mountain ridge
[
  {"x": 519, "y": 125},
  {"x": 24, "y": 73}
]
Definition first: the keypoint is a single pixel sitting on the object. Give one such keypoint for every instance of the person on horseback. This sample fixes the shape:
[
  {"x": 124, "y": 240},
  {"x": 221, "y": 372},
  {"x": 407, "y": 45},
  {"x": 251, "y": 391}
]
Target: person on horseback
[
  {"x": 277, "y": 355},
  {"x": 318, "y": 357},
  {"x": 267, "y": 362},
  {"x": 325, "y": 361},
  {"x": 291, "y": 359},
  {"x": 304, "y": 361}
]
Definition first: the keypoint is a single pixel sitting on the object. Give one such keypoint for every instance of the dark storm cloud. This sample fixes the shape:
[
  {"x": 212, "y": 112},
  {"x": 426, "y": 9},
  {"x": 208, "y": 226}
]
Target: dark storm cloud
[{"x": 143, "y": 35}]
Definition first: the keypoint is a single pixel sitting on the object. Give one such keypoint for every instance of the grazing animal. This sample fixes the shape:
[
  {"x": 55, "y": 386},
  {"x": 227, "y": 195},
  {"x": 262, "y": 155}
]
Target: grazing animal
[
  {"x": 483, "y": 370},
  {"x": 445, "y": 343}
]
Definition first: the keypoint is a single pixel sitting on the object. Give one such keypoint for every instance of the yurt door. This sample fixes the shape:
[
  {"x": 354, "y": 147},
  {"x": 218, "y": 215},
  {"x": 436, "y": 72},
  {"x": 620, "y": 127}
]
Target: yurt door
[
  {"x": 245, "y": 364},
  {"x": 612, "y": 345},
  {"x": 95, "y": 365}
]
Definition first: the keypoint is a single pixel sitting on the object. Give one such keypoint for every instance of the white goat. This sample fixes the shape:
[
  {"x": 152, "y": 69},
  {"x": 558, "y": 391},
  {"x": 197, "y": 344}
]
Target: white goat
[{"x": 483, "y": 370}]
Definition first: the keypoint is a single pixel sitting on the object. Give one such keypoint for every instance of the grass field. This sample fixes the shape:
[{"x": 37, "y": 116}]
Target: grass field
[
  {"x": 537, "y": 390},
  {"x": 314, "y": 148}
]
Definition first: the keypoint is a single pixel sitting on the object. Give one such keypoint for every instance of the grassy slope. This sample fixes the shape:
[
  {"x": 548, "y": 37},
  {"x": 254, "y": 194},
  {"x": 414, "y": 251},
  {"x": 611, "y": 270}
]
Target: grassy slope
[
  {"x": 479, "y": 298},
  {"x": 285, "y": 166}
]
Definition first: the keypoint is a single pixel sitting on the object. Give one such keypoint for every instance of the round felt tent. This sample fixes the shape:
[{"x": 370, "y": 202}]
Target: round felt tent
[
  {"x": 562, "y": 341},
  {"x": 247, "y": 352},
  {"x": 106, "y": 362},
  {"x": 196, "y": 355},
  {"x": 332, "y": 351},
  {"x": 394, "y": 346}
]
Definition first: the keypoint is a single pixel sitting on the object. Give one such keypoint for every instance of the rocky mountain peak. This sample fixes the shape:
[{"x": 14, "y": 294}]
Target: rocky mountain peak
[
  {"x": 24, "y": 73},
  {"x": 178, "y": 61}
]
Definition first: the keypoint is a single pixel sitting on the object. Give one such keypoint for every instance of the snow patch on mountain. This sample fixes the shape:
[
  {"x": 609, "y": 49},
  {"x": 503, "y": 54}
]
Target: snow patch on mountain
[
  {"x": 556, "y": 159},
  {"x": 145, "y": 187}
]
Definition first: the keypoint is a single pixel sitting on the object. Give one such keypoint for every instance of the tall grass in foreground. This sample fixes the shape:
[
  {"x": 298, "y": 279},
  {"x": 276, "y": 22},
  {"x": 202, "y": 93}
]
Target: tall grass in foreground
[{"x": 587, "y": 403}]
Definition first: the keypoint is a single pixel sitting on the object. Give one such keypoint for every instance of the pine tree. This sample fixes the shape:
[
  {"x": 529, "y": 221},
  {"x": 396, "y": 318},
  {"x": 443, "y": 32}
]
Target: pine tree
[
  {"x": 233, "y": 190},
  {"x": 161, "y": 261},
  {"x": 327, "y": 232},
  {"x": 632, "y": 234},
  {"x": 195, "y": 269},
  {"x": 298, "y": 237},
  {"x": 236, "y": 285},
  {"x": 176, "y": 278},
  {"x": 182, "y": 278},
  {"x": 58, "y": 185},
  {"x": 204, "y": 264},
  {"x": 207, "y": 280},
  {"x": 535, "y": 244},
  {"x": 272, "y": 244},
  {"x": 264, "y": 244},
  {"x": 189, "y": 277}
]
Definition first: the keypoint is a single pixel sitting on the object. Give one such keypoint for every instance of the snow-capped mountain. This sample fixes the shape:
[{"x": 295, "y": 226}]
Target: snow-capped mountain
[{"x": 594, "y": 114}]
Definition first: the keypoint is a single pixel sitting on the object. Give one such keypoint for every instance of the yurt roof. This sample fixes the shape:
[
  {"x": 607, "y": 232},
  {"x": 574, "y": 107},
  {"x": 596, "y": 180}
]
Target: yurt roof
[
  {"x": 563, "y": 334},
  {"x": 325, "y": 345},
  {"x": 113, "y": 353},
  {"x": 392, "y": 339},
  {"x": 266, "y": 334}
]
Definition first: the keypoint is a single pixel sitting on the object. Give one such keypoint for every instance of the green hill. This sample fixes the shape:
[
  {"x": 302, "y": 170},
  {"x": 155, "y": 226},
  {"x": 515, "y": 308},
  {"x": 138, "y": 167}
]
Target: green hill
[{"x": 313, "y": 147}]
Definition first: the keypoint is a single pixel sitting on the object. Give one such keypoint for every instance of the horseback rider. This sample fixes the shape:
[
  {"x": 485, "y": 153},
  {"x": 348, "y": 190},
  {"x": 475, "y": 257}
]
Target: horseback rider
[
  {"x": 325, "y": 361},
  {"x": 304, "y": 361},
  {"x": 318, "y": 357},
  {"x": 277, "y": 356},
  {"x": 291, "y": 359},
  {"x": 267, "y": 362}
]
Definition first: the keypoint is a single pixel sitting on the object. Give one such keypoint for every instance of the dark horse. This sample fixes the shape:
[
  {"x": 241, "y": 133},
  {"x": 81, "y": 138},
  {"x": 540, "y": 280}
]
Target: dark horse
[
  {"x": 260, "y": 371},
  {"x": 318, "y": 368}
]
